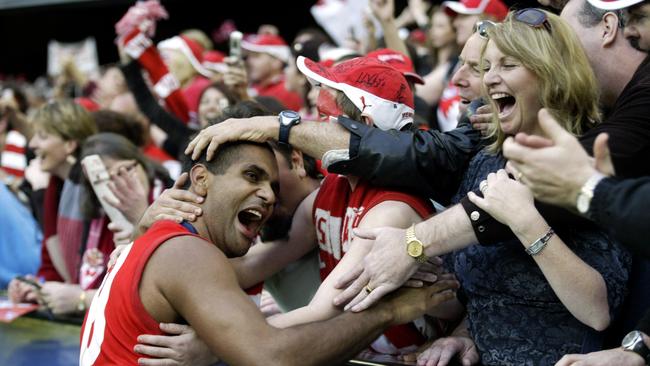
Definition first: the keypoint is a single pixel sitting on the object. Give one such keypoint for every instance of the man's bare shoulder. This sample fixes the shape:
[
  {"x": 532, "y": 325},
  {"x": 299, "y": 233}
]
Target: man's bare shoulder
[{"x": 187, "y": 252}]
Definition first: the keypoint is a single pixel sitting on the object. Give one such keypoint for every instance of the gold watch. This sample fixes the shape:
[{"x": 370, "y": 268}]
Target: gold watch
[{"x": 414, "y": 246}]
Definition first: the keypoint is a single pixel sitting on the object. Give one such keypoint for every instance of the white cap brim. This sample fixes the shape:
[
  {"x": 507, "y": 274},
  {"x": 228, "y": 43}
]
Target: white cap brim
[
  {"x": 613, "y": 5},
  {"x": 177, "y": 43},
  {"x": 283, "y": 53}
]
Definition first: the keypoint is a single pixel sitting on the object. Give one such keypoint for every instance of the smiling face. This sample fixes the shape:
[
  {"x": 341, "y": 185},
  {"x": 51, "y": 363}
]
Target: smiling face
[
  {"x": 468, "y": 77},
  {"x": 53, "y": 151},
  {"x": 211, "y": 105},
  {"x": 241, "y": 199},
  {"x": 514, "y": 89}
]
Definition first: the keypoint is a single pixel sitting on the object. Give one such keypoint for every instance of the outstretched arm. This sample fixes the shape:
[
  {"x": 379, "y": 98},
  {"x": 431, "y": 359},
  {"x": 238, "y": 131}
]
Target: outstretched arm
[{"x": 210, "y": 299}]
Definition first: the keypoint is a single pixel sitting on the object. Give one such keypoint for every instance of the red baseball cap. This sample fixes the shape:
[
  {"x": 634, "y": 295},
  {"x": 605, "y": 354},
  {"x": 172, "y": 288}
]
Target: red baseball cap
[
  {"x": 613, "y": 4},
  {"x": 270, "y": 44},
  {"x": 495, "y": 8},
  {"x": 375, "y": 87},
  {"x": 399, "y": 61}
]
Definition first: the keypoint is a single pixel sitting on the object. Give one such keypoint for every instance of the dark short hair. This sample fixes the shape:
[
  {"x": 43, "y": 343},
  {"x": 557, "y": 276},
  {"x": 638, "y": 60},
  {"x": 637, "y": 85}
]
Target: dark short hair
[
  {"x": 226, "y": 155},
  {"x": 590, "y": 15},
  {"x": 121, "y": 124}
]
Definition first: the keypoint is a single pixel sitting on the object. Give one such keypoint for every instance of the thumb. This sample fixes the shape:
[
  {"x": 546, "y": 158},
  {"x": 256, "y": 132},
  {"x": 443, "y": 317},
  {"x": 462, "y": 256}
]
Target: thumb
[
  {"x": 173, "y": 328},
  {"x": 602, "y": 155},
  {"x": 368, "y": 234},
  {"x": 550, "y": 126},
  {"x": 180, "y": 182}
]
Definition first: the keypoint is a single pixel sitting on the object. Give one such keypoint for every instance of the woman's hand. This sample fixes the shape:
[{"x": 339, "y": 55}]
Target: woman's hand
[
  {"x": 505, "y": 199},
  {"x": 182, "y": 347},
  {"x": 444, "y": 349},
  {"x": 130, "y": 193},
  {"x": 20, "y": 291},
  {"x": 61, "y": 298}
]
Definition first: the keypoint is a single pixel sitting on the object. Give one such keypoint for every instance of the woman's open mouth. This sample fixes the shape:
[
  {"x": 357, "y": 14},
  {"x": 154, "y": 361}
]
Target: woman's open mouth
[{"x": 505, "y": 102}]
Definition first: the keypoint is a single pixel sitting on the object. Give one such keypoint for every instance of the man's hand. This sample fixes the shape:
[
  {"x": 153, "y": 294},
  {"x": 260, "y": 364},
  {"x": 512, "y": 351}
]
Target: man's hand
[
  {"x": 181, "y": 348},
  {"x": 257, "y": 129},
  {"x": 482, "y": 119},
  {"x": 610, "y": 357},
  {"x": 236, "y": 78},
  {"x": 440, "y": 352},
  {"x": 384, "y": 269},
  {"x": 19, "y": 291},
  {"x": 407, "y": 304},
  {"x": 555, "y": 169},
  {"x": 175, "y": 204}
]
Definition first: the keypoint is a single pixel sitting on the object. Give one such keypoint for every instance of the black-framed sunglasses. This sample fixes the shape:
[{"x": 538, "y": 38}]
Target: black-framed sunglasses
[
  {"x": 534, "y": 17},
  {"x": 481, "y": 27}
]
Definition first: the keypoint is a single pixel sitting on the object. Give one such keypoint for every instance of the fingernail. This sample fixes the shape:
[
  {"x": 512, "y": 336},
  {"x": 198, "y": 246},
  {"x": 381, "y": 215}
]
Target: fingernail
[
  {"x": 192, "y": 217},
  {"x": 197, "y": 211},
  {"x": 200, "y": 199}
]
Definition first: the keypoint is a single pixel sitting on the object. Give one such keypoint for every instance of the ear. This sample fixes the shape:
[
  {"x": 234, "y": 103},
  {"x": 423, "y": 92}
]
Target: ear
[
  {"x": 298, "y": 163},
  {"x": 367, "y": 120},
  {"x": 199, "y": 176},
  {"x": 70, "y": 146},
  {"x": 610, "y": 29}
]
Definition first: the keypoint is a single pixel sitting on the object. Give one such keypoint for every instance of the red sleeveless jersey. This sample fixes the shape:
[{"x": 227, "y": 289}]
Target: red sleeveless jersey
[
  {"x": 117, "y": 316},
  {"x": 337, "y": 210}
]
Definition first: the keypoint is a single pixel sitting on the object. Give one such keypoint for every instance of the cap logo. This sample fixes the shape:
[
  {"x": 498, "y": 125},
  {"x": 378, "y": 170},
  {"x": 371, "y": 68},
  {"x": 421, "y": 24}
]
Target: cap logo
[{"x": 388, "y": 58}]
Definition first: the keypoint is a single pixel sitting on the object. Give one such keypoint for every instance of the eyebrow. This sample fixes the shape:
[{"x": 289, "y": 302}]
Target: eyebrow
[{"x": 275, "y": 184}]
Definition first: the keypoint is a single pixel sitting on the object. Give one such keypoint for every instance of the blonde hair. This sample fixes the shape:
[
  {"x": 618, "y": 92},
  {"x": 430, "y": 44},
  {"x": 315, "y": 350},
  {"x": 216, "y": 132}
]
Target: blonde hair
[
  {"x": 65, "y": 119},
  {"x": 567, "y": 84}
]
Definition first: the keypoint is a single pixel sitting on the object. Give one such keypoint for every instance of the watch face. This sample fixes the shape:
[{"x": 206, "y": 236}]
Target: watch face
[
  {"x": 290, "y": 115},
  {"x": 631, "y": 339},
  {"x": 414, "y": 248}
]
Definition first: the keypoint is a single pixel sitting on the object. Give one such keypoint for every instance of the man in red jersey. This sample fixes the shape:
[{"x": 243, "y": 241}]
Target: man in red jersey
[{"x": 180, "y": 273}]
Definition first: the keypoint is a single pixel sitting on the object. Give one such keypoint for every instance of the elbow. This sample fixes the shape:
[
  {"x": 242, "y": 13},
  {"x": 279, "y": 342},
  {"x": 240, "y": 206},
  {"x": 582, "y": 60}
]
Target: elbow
[{"x": 600, "y": 322}]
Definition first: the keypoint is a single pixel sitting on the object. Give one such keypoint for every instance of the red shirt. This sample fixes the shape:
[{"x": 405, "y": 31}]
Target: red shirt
[
  {"x": 117, "y": 316},
  {"x": 276, "y": 89},
  {"x": 337, "y": 210}
]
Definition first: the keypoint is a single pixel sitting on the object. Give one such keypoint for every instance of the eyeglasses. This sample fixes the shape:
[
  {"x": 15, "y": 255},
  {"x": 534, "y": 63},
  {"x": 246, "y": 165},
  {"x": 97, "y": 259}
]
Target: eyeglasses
[
  {"x": 533, "y": 17},
  {"x": 482, "y": 27}
]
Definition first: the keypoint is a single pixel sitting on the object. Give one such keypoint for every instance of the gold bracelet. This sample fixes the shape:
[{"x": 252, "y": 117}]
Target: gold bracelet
[{"x": 81, "y": 306}]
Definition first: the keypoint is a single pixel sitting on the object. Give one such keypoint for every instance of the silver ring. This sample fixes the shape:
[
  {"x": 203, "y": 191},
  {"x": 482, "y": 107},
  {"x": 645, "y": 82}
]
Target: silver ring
[
  {"x": 519, "y": 175},
  {"x": 368, "y": 289}
]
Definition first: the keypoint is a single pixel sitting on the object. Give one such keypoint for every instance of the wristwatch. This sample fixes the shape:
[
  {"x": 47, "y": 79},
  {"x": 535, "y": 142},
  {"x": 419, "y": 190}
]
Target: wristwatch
[
  {"x": 287, "y": 119},
  {"x": 633, "y": 342},
  {"x": 414, "y": 246},
  {"x": 587, "y": 193}
]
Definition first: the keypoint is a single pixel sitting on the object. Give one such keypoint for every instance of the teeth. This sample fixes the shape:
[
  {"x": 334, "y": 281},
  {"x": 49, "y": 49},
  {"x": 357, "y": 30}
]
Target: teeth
[
  {"x": 499, "y": 95},
  {"x": 255, "y": 213}
]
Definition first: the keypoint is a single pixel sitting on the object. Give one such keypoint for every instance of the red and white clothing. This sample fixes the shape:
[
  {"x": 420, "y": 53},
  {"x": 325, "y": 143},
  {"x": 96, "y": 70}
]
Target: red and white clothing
[
  {"x": 117, "y": 316},
  {"x": 448, "y": 108},
  {"x": 12, "y": 158},
  {"x": 337, "y": 210}
]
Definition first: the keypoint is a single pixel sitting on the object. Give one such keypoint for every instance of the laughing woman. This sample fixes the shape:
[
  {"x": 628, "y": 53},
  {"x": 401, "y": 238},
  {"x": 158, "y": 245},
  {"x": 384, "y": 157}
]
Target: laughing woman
[{"x": 531, "y": 300}]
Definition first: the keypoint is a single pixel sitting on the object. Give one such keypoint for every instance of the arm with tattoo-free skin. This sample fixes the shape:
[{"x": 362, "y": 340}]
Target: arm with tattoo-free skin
[
  {"x": 388, "y": 266},
  {"x": 211, "y": 301}
]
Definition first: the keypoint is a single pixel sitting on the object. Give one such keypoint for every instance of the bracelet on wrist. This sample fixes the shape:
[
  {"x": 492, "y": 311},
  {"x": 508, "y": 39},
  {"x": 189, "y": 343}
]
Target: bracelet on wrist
[{"x": 538, "y": 245}]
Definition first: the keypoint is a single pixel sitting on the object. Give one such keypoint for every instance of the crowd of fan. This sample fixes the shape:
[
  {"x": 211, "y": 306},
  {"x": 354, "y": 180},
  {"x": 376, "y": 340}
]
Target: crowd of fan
[{"x": 495, "y": 153}]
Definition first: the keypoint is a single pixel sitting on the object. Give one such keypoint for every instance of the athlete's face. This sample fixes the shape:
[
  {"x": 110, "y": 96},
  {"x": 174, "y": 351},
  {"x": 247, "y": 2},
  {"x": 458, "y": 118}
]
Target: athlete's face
[{"x": 240, "y": 200}]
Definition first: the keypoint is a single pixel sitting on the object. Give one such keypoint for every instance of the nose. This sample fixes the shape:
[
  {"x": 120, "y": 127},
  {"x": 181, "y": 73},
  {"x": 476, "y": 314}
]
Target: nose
[
  {"x": 459, "y": 79},
  {"x": 266, "y": 193},
  {"x": 631, "y": 31},
  {"x": 491, "y": 78}
]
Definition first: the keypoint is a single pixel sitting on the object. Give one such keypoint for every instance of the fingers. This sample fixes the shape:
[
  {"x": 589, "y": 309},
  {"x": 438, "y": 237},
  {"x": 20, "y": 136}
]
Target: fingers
[
  {"x": 157, "y": 340},
  {"x": 372, "y": 297},
  {"x": 345, "y": 280},
  {"x": 550, "y": 126},
  {"x": 368, "y": 234},
  {"x": 478, "y": 201},
  {"x": 353, "y": 289},
  {"x": 177, "y": 329},
  {"x": 568, "y": 360},
  {"x": 182, "y": 179},
  {"x": 413, "y": 284},
  {"x": 603, "y": 156},
  {"x": 183, "y": 195},
  {"x": 156, "y": 362},
  {"x": 424, "y": 276},
  {"x": 158, "y": 352},
  {"x": 515, "y": 151}
]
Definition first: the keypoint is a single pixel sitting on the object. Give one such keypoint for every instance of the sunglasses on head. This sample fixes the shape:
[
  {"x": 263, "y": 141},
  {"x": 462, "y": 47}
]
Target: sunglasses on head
[
  {"x": 481, "y": 27},
  {"x": 533, "y": 17}
]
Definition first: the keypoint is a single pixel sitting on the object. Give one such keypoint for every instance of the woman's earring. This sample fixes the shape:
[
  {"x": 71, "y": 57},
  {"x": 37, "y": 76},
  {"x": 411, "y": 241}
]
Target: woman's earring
[{"x": 71, "y": 159}]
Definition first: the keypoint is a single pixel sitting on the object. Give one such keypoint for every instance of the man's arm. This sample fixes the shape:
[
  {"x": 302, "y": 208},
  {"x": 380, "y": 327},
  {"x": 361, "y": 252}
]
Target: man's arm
[
  {"x": 429, "y": 163},
  {"x": 265, "y": 259},
  {"x": 210, "y": 299}
]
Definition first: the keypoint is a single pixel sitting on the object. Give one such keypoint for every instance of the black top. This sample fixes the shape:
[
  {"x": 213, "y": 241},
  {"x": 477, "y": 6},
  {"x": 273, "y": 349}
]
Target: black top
[{"x": 178, "y": 134}]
